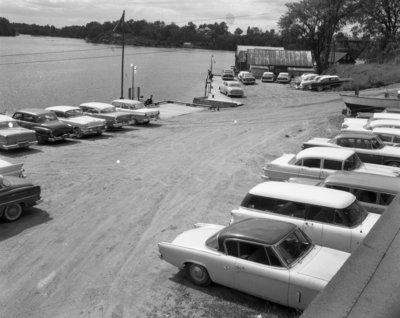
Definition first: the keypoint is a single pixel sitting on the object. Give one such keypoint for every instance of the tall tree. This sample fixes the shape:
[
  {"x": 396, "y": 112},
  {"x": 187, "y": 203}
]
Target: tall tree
[{"x": 316, "y": 21}]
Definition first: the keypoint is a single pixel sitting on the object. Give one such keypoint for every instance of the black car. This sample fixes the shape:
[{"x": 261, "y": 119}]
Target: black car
[
  {"x": 45, "y": 123},
  {"x": 15, "y": 195}
]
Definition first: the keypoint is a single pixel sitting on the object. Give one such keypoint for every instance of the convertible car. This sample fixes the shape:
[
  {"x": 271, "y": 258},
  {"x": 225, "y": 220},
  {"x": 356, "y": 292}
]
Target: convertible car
[
  {"x": 319, "y": 162},
  {"x": 272, "y": 260},
  {"x": 14, "y": 136},
  {"x": 81, "y": 124},
  {"x": 368, "y": 146},
  {"x": 15, "y": 195}
]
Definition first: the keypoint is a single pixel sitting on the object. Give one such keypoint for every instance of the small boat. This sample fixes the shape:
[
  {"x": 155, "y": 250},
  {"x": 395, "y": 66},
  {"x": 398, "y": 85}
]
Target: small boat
[{"x": 371, "y": 103}]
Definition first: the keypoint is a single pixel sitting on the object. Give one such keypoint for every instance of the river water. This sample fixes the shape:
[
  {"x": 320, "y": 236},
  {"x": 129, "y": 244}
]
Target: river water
[{"x": 47, "y": 71}]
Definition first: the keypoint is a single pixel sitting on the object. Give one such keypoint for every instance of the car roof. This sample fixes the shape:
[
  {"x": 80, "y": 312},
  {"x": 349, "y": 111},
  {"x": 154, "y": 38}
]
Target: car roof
[
  {"x": 127, "y": 101},
  {"x": 356, "y": 134},
  {"x": 6, "y": 118},
  {"x": 383, "y": 122},
  {"x": 386, "y": 130},
  {"x": 364, "y": 181},
  {"x": 62, "y": 108},
  {"x": 34, "y": 111},
  {"x": 283, "y": 73},
  {"x": 325, "y": 153},
  {"x": 261, "y": 231},
  {"x": 304, "y": 193},
  {"x": 268, "y": 73},
  {"x": 97, "y": 105},
  {"x": 382, "y": 115}
]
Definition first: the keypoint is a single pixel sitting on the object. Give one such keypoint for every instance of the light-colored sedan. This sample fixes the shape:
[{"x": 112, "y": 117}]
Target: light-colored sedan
[
  {"x": 83, "y": 125},
  {"x": 108, "y": 112},
  {"x": 231, "y": 88},
  {"x": 13, "y": 136},
  {"x": 246, "y": 77},
  {"x": 139, "y": 112},
  {"x": 283, "y": 77},
  {"x": 319, "y": 162},
  {"x": 272, "y": 260}
]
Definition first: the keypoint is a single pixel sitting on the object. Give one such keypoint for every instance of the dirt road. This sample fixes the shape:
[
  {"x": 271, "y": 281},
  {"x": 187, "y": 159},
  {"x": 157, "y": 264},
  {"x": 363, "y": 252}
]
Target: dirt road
[{"x": 90, "y": 249}]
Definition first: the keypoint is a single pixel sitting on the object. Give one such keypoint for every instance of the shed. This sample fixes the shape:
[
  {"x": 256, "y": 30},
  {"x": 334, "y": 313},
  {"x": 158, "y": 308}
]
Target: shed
[
  {"x": 341, "y": 58},
  {"x": 242, "y": 52}
]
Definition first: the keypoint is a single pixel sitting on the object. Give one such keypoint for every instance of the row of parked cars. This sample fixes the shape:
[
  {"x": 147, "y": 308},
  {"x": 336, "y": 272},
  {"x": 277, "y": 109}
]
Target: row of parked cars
[
  {"x": 291, "y": 233},
  {"x": 27, "y": 127}
]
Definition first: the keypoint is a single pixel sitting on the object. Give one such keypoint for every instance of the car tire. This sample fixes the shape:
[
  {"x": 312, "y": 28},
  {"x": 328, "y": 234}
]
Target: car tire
[
  {"x": 394, "y": 164},
  {"x": 12, "y": 212},
  {"x": 41, "y": 139},
  {"x": 319, "y": 88},
  {"x": 78, "y": 133},
  {"x": 198, "y": 274}
]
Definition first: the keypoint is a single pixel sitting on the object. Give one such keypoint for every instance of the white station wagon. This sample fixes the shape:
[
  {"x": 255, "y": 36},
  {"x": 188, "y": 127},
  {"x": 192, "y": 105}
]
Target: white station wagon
[
  {"x": 83, "y": 125},
  {"x": 138, "y": 111},
  {"x": 331, "y": 218},
  {"x": 272, "y": 260}
]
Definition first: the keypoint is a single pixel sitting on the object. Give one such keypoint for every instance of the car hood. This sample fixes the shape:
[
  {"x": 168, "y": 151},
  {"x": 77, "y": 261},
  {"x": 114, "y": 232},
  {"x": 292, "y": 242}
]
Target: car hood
[
  {"x": 84, "y": 120},
  {"x": 144, "y": 111},
  {"x": 18, "y": 131},
  {"x": 320, "y": 141},
  {"x": 322, "y": 263},
  {"x": 379, "y": 169},
  {"x": 196, "y": 238}
]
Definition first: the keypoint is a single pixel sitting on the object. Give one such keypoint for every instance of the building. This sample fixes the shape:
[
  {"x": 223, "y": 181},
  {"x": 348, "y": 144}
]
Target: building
[
  {"x": 341, "y": 58},
  {"x": 241, "y": 54}
]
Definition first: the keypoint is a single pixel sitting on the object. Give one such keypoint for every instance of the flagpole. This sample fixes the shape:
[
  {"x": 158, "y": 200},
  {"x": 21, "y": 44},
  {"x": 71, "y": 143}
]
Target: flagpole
[{"x": 123, "y": 54}]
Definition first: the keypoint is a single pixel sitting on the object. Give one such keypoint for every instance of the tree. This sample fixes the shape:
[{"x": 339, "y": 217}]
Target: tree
[{"x": 316, "y": 21}]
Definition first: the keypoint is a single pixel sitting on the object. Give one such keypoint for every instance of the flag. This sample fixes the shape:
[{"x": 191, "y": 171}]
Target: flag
[{"x": 119, "y": 27}]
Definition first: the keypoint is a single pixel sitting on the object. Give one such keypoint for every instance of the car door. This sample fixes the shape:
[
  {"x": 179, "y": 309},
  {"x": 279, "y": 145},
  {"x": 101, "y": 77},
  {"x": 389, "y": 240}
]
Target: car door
[
  {"x": 311, "y": 168},
  {"x": 255, "y": 275},
  {"x": 311, "y": 226}
]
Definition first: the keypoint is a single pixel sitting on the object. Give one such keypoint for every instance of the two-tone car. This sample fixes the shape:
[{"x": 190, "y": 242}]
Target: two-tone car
[
  {"x": 320, "y": 162},
  {"x": 390, "y": 136},
  {"x": 269, "y": 259},
  {"x": 82, "y": 125},
  {"x": 368, "y": 146},
  {"x": 108, "y": 112},
  {"x": 15, "y": 195},
  {"x": 331, "y": 218},
  {"x": 326, "y": 82},
  {"x": 13, "y": 136},
  {"x": 45, "y": 124},
  {"x": 306, "y": 81},
  {"x": 231, "y": 88},
  {"x": 246, "y": 78},
  {"x": 138, "y": 111}
]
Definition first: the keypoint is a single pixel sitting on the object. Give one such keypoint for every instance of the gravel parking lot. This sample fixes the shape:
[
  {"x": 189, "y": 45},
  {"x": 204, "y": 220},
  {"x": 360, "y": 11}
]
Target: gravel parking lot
[{"x": 90, "y": 249}]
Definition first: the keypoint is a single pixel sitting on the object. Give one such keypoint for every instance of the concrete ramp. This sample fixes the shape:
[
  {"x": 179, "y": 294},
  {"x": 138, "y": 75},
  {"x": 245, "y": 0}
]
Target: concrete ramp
[{"x": 172, "y": 109}]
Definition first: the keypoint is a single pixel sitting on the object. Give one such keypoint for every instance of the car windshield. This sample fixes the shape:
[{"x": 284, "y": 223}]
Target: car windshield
[
  {"x": 377, "y": 143},
  {"x": 212, "y": 242},
  {"x": 8, "y": 124},
  {"x": 45, "y": 118},
  {"x": 294, "y": 246},
  {"x": 354, "y": 214},
  {"x": 352, "y": 163},
  {"x": 110, "y": 109},
  {"x": 74, "y": 113}
]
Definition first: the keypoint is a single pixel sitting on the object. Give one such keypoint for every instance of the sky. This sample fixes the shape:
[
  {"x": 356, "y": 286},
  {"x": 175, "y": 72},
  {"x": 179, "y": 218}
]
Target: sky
[{"x": 263, "y": 14}]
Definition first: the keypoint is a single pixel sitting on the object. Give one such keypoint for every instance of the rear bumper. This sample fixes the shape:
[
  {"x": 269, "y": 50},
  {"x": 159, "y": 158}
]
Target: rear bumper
[{"x": 21, "y": 144}]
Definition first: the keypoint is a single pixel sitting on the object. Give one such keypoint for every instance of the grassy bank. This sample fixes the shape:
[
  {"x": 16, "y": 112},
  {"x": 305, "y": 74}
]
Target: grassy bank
[{"x": 367, "y": 75}]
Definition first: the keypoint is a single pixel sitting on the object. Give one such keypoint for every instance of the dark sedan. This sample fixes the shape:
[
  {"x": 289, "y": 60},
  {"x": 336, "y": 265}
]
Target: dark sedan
[
  {"x": 15, "y": 195},
  {"x": 45, "y": 123}
]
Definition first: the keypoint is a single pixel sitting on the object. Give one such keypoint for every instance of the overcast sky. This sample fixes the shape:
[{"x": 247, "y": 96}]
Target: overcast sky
[{"x": 263, "y": 14}]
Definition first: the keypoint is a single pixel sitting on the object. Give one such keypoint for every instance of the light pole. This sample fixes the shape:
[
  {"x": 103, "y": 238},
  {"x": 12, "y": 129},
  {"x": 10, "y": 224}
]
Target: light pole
[{"x": 134, "y": 67}]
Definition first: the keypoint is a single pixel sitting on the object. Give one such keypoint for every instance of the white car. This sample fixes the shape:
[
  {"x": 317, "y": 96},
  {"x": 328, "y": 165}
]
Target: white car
[
  {"x": 139, "y": 112},
  {"x": 246, "y": 77},
  {"x": 13, "y": 136},
  {"x": 269, "y": 259},
  {"x": 231, "y": 88},
  {"x": 319, "y": 162},
  {"x": 331, "y": 218},
  {"x": 83, "y": 125},
  {"x": 283, "y": 77},
  {"x": 108, "y": 112},
  {"x": 267, "y": 77},
  {"x": 390, "y": 136},
  {"x": 306, "y": 81},
  {"x": 362, "y": 124}
]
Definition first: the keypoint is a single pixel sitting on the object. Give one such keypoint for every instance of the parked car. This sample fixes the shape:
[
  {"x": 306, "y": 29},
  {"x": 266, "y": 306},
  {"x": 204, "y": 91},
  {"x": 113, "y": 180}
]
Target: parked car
[
  {"x": 283, "y": 77},
  {"x": 108, "y": 112},
  {"x": 331, "y": 218},
  {"x": 82, "y": 125},
  {"x": 269, "y": 259},
  {"x": 246, "y": 78},
  {"x": 228, "y": 75},
  {"x": 326, "y": 82},
  {"x": 373, "y": 192},
  {"x": 231, "y": 88},
  {"x": 390, "y": 136},
  {"x": 319, "y": 162},
  {"x": 306, "y": 81},
  {"x": 15, "y": 195},
  {"x": 267, "y": 77},
  {"x": 375, "y": 120},
  {"x": 139, "y": 113},
  {"x": 368, "y": 146},
  {"x": 11, "y": 169},
  {"x": 14, "y": 136},
  {"x": 45, "y": 123}
]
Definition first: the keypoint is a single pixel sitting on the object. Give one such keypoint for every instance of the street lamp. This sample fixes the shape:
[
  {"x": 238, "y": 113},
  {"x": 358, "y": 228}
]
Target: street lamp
[{"x": 134, "y": 68}]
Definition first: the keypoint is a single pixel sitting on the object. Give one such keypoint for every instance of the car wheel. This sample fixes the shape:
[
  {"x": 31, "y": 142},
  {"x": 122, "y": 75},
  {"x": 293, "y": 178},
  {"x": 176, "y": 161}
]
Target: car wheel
[
  {"x": 319, "y": 88},
  {"x": 12, "y": 212},
  {"x": 198, "y": 274},
  {"x": 41, "y": 139},
  {"x": 78, "y": 133},
  {"x": 394, "y": 164}
]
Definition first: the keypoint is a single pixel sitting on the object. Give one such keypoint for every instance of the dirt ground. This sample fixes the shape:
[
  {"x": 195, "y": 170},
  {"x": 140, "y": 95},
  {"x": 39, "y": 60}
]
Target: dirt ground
[{"x": 90, "y": 249}]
